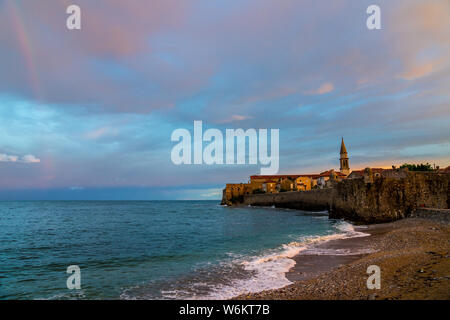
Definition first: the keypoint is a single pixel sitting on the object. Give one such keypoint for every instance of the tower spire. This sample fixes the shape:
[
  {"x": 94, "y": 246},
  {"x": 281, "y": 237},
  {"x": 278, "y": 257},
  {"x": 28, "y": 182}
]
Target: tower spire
[
  {"x": 345, "y": 167},
  {"x": 343, "y": 149}
]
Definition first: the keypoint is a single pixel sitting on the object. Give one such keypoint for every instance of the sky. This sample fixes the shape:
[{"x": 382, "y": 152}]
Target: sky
[{"x": 88, "y": 114}]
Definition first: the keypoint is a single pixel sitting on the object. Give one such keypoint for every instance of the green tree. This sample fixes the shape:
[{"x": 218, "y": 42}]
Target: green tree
[{"x": 417, "y": 167}]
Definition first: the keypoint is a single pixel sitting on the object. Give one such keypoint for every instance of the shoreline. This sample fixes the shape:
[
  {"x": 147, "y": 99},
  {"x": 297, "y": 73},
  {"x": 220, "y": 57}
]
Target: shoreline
[{"x": 412, "y": 253}]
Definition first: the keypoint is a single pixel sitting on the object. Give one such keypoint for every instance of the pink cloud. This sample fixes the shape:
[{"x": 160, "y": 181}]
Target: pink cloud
[
  {"x": 234, "y": 118},
  {"x": 324, "y": 88},
  {"x": 420, "y": 39},
  {"x": 418, "y": 71}
]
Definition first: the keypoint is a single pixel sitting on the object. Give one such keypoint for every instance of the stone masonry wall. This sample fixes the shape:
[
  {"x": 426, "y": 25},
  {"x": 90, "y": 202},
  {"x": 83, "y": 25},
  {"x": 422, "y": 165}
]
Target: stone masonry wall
[
  {"x": 314, "y": 200},
  {"x": 388, "y": 199}
]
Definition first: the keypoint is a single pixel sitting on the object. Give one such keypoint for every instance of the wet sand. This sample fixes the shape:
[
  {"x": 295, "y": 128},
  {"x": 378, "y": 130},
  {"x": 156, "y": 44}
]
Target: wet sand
[{"x": 413, "y": 255}]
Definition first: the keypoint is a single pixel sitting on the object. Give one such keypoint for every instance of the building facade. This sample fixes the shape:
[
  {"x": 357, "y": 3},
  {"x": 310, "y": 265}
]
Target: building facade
[{"x": 289, "y": 183}]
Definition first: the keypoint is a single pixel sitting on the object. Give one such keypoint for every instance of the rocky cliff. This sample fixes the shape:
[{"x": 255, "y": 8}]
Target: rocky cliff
[{"x": 388, "y": 197}]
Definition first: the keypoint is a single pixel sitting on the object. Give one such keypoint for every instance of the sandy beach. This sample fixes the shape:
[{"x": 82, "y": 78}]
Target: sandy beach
[{"x": 413, "y": 256}]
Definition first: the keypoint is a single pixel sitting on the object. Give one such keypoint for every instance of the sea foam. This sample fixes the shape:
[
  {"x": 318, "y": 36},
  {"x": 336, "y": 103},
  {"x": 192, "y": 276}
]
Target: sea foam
[{"x": 269, "y": 268}]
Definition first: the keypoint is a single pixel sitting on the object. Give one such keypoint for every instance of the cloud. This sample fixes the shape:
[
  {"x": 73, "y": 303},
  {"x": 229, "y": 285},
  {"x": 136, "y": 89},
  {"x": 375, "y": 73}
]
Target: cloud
[
  {"x": 324, "y": 88},
  {"x": 417, "y": 71},
  {"x": 29, "y": 158},
  {"x": 8, "y": 158},
  {"x": 212, "y": 193},
  {"x": 240, "y": 118},
  {"x": 76, "y": 188},
  {"x": 200, "y": 194},
  {"x": 101, "y": 132},
  {"x": 152, "y": 54},
  {"x": 419, "y": 40},
  {"x": 234, "y": 118},
  {"x": 98, "y": 105}
]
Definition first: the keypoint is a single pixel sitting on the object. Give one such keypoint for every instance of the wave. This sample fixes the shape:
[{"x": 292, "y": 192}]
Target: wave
[
  {"x": 264, "y": 272},
  {"x": 350, "y": 231}
]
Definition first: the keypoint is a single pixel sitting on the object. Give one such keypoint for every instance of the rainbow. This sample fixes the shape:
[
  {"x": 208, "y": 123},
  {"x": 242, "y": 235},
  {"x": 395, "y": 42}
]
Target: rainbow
[{"x": 25, "y": 44}]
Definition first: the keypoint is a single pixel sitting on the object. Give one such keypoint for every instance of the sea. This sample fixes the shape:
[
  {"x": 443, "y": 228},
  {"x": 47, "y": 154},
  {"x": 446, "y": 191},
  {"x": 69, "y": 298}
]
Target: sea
[{"x": 152, "y": 249}]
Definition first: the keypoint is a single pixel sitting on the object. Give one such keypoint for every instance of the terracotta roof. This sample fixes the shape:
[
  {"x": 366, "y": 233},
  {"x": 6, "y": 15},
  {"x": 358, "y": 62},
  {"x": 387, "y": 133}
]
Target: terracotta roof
[
  {"x": 328, "y": 172},
  {"x": 445, "y": 170},
  {"x": 325, "y": 173}
]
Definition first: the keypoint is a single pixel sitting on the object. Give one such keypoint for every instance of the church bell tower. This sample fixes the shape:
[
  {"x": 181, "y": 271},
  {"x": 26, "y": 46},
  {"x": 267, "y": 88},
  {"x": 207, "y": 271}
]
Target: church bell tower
[{"x": 345, "y": 168}]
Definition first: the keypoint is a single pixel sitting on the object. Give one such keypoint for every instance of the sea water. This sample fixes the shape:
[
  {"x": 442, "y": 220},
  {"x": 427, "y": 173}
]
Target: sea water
[{"x": 152, "y": 249}]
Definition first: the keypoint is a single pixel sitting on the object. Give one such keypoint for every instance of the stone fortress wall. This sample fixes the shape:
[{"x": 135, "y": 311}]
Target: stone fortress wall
[{"x": 392, "y": 195}]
